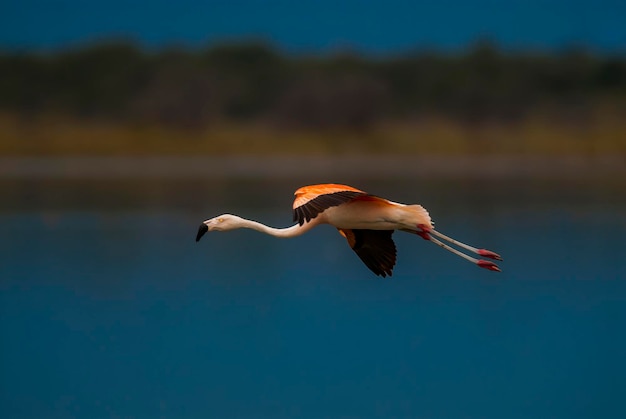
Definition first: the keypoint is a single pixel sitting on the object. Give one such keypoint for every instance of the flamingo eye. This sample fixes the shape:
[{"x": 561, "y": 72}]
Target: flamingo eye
[{"x": 220, "y": 220}]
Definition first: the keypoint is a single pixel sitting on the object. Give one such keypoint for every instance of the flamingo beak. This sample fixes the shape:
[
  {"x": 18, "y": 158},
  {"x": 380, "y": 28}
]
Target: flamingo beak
[{"x": 201, "y": 231}]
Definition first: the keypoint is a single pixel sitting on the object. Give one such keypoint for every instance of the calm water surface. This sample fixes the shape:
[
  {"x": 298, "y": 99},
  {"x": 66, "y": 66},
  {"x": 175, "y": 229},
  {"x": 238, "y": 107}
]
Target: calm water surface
[{"x": 108, "y": 308}]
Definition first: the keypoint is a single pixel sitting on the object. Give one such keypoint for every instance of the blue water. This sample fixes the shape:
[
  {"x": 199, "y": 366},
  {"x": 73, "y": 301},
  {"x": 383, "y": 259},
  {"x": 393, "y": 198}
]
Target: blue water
[
  {"x": 381, "y": 27},
  {"x": 117, "y": 312}
]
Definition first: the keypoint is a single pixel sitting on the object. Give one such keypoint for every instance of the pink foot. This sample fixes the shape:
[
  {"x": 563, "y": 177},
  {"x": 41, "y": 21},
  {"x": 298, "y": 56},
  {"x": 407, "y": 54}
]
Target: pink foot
[
  {"x": 489, "y": 254},
  {"x": 488, "y": 265}
]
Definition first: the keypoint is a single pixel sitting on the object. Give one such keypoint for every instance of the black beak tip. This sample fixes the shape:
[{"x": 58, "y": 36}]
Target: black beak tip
[{"x": 201, "y": 231}]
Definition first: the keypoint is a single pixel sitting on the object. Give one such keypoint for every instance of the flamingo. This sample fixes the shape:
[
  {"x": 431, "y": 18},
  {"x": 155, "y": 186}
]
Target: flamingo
[{"x": 365, "y": 220}]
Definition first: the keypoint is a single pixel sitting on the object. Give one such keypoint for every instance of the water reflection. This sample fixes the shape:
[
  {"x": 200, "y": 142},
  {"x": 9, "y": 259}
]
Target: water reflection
[{"x": 108, "y": 306}]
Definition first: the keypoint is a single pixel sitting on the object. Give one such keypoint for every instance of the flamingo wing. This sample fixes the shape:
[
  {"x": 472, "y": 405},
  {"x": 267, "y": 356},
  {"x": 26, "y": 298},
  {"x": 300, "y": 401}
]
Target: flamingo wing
[
  {"x": 311, "y": 200},
  {"x": 375, "y": 248}
]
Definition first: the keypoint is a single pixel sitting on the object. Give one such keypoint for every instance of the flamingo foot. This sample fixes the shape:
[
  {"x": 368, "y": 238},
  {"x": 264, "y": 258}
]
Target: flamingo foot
[
  {"x": 489, "y": 254},
  {"x": 488, "y": 265}
]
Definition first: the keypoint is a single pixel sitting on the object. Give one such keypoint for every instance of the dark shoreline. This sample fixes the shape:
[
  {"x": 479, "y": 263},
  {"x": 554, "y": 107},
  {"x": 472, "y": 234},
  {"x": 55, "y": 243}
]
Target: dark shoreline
[{"x": 386, "y": 166}]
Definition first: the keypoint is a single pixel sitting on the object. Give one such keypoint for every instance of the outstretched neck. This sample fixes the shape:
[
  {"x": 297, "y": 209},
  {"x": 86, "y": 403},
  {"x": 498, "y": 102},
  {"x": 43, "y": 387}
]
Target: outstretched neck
[{"x": 288, "y": 232}]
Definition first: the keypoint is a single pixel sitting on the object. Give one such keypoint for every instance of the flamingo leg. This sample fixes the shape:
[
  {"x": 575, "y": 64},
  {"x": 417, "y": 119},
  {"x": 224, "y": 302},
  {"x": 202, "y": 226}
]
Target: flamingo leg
[
  {"x": 479, "y": 262},
  {"x": 482, "y": 252},
  {"x": 426, "y": 233}
]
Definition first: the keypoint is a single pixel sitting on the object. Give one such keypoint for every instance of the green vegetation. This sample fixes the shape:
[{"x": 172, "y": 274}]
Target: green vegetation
[{"x": 118, "y": 99}]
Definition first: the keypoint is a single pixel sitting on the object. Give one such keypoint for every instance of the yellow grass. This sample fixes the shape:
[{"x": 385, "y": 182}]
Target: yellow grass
[{"x": 59, "y": 135}]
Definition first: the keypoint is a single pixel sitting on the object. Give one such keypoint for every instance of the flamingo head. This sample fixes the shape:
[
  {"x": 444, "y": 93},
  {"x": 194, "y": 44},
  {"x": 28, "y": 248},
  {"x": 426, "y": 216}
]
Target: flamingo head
[{"x": 222, "y": 222}]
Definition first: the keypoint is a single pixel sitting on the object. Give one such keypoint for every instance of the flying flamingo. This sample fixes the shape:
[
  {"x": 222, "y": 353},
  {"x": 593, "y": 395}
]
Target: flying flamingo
[{"x": 365, "y": 220}]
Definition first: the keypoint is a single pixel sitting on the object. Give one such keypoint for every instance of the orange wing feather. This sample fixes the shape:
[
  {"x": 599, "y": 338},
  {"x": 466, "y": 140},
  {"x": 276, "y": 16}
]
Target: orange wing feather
[
  {"x": 311, "y": 200},
  {"x": 307, "y": 193}
]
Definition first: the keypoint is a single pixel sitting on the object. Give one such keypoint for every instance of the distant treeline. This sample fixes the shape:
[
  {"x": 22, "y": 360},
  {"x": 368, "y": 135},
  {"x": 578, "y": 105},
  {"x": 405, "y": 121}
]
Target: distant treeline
[{"x": 195, "y": 88}]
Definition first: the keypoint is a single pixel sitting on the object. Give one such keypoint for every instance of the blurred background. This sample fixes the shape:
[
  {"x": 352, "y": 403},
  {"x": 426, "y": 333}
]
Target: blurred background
[{"x": 123, "y": 125}]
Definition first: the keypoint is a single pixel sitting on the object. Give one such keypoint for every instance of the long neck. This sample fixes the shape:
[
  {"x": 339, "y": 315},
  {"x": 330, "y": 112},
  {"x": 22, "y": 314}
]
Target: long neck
[{"x": 288, "y": 232}]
